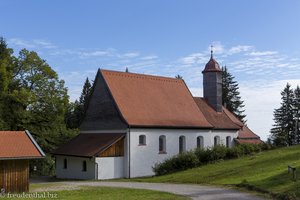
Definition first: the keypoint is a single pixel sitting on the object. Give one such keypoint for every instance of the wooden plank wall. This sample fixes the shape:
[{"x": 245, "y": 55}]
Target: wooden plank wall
[
  {"x": 14, "y": 175},
  {"x": 116, "y": 149}
]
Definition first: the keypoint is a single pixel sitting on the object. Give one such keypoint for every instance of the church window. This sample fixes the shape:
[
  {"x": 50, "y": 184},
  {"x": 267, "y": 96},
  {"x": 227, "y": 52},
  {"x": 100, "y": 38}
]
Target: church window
[
  {"x": 142, "y": 140},
  {"x": 162, "y": 144},
  {"x": 216, "y": 140},
  {"x": 200, "y": 142},
  {"x": 228, "y": 141},
  {"x": 182, "y": 146}
]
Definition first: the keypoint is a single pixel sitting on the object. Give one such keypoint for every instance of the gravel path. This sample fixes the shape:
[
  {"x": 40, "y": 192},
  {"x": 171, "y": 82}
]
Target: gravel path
[{"x": 196, "y": 192}]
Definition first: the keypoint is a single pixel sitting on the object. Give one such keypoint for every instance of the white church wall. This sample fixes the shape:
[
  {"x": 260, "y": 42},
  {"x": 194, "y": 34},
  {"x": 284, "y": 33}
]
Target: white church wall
[
  {"x": 110, "y": 167},
  {"x": 144, "y": 157},
  {"x": 74, "y": 168}
]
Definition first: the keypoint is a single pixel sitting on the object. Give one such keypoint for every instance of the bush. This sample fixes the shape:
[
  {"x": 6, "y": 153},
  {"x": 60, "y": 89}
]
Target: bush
[
  {"x": 176, "y": 163},
  {"x": 202, "y": 156}
]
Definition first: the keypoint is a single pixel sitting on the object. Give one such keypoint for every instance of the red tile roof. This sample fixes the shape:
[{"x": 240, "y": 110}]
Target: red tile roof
[
  {"x": 248, "y": 141},
  {"x": 245, "y": 132},
  {"x": 18, "y": 144},
  {"x": 219, "y": 120},
  {"x": 153, "y": 101},
  {"x": 88, "y": 144}
]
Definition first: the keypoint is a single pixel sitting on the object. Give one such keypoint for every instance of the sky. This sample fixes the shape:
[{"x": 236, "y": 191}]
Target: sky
[{"x": 258, "y": 41}]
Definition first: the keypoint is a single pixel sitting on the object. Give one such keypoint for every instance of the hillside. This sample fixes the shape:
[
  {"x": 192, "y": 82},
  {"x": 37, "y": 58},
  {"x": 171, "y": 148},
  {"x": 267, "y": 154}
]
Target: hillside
[{"x": 266, "y": 170}]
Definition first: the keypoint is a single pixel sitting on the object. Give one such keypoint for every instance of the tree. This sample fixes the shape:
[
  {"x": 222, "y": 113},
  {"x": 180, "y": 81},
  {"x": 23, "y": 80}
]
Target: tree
[
  {"x": 296, "y": 111},
  {"x": 76, "y": 110},
  {"x": 282, "y": 133},
  {"x": 231, "y": 98}
]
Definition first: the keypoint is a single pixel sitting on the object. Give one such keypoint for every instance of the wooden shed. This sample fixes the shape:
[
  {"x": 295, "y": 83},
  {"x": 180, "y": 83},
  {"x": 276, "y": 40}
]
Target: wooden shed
[{"x": 16, "y": 148}]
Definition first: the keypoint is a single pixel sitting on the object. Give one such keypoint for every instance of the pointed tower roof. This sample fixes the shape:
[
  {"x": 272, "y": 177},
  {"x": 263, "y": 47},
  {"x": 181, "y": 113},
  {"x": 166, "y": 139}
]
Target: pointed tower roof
[{"x": 212, "y": 65}]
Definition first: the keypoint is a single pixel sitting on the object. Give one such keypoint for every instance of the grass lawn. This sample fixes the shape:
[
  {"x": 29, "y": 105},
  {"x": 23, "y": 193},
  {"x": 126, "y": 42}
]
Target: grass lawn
[
  {"x": 103, "y": 193},
  {"x": 266, "y": 170}
]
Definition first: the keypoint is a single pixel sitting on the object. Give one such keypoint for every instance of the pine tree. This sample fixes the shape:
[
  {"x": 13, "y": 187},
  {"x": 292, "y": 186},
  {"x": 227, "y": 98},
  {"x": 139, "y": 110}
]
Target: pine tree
[
  {"x": 76, "y": 110},
  {"x": 296, "y": 111},
  {"x": 282, "y": 133},
  {"x": 231, "y": 98}
]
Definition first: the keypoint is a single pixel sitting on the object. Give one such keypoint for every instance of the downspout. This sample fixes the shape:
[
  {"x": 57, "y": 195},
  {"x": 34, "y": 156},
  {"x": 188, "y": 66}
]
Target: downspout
[
  {"x": 96, "y": 169},
  {"x": 129, "y": 152}
]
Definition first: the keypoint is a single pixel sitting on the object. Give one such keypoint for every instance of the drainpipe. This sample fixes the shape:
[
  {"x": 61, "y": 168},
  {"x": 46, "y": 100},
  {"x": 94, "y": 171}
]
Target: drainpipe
[
  {"x": 129, "y": 146},
  {"x": 96, "y": 169}
]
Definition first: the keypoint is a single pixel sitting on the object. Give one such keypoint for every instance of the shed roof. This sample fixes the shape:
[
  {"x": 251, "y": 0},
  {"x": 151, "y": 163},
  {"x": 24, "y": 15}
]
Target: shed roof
[
  {"x": 219, "y": 120},
  {"x": 88, "y": 144},
  {"x": 153, "y": 101},
  {"x": 18, "y": 145}
]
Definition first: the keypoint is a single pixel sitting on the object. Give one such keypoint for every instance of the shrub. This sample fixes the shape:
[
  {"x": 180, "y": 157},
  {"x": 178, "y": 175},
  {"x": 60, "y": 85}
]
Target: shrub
[
  {"x": 202, "y": 156},
  {"x": 182, "y": 161},
  {"x": 218, "y": 152}
]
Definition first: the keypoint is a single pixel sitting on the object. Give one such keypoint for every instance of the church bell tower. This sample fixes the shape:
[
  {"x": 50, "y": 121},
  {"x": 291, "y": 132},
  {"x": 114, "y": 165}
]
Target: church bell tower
[{"x": 212, "y": 83}]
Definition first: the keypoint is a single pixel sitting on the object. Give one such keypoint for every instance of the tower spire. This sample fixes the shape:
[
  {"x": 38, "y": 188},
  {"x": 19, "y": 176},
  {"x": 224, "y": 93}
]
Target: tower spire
[{"x": 211, "y": 51}]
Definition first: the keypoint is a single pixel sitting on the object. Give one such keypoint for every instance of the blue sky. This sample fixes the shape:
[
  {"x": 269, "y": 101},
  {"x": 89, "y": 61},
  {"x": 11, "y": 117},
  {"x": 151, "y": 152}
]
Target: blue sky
[{"x": 258, "y": 40}]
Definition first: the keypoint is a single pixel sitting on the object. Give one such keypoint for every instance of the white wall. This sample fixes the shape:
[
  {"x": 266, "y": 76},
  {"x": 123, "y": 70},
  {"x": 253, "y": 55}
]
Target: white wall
[
  {"x": 110, "y": 167},
  {"x": 143, "y": 158},
  {"x": 74, "y": 168}
]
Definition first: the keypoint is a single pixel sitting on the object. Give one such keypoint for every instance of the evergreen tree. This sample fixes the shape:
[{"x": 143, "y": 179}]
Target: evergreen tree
[
  {"x": 282, "y": 133},
  {"x": 296, "y": 106},
  {"x": 231, "y": 98},
  {"x": 76, "y": 110}
]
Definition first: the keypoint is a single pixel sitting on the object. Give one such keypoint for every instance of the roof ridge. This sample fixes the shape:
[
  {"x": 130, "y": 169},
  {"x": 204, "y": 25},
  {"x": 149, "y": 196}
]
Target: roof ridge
[{"x": 138, "y": 75}]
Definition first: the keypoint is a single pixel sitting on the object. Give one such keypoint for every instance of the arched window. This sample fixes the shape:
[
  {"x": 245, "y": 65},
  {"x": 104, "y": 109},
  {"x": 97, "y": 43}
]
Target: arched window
[
  {"x": 181, "y": 144},
  {"x": 200, "y": 142},
  {"x": 84, "y": 166},
  {"x": 228, "y": 141},
  {"x": 216, "y": 140},
  {"x": 142, "y": 140},
  {"x": 162, "y": 144},
  {"x": 65, "y": 163}
]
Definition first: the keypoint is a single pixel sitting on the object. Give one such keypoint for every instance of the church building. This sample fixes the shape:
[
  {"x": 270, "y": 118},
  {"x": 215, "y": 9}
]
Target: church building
[{"x": 134, "y": 121}]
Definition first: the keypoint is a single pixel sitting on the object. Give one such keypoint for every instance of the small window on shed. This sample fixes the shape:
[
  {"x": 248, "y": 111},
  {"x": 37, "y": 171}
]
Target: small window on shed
[
  {"x": 142, "y": 140},
  {"x": 84, "y": 166},
  {"x": 65, "y": 163}
]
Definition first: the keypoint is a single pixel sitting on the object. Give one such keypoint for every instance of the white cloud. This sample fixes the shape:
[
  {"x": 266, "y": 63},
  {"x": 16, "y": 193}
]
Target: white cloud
[
  {"x": 94, "y": 53},
  {"x": 130, "y": 55},
  {"x": 239, "y": 48},
  {"x": 218, "y": 47},
  {"x": 263, "y": 53},
  {"x": 149, "y": 58},
  {"x": 31, "y": 44}
]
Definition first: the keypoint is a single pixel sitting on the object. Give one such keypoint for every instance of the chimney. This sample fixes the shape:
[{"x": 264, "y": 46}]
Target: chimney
[{"x": 212, "y": 84}]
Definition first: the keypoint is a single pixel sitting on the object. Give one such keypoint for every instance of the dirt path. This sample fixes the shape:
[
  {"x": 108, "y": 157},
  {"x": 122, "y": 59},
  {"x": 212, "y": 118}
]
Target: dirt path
[{"x": 196, "y": 192}]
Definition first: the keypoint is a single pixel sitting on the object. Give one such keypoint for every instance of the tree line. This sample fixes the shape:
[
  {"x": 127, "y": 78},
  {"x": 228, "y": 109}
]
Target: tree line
[
  {"x": 286, "y": 130},
  {"x": 32, "y": 97}
]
